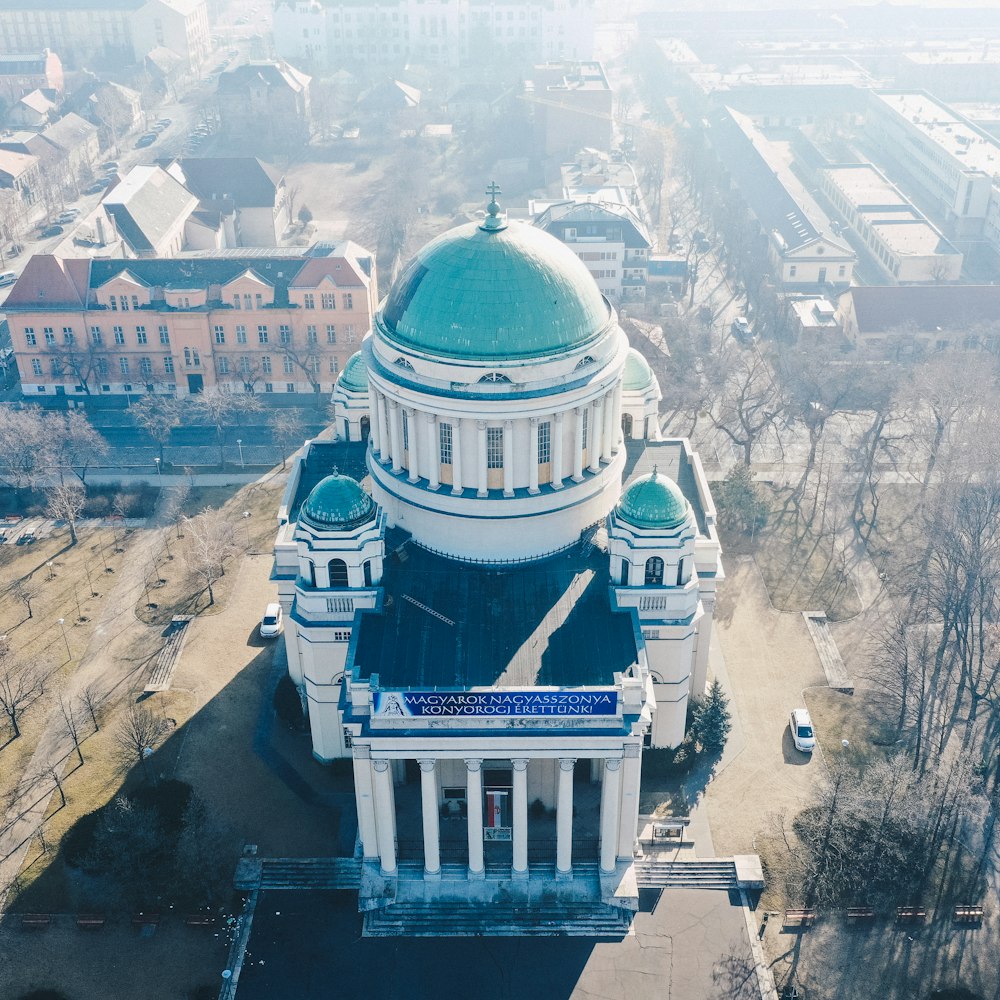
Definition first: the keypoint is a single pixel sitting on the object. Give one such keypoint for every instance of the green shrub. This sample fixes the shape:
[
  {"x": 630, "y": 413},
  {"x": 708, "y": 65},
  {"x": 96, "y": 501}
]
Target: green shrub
[{"x": 288, "y": 704}]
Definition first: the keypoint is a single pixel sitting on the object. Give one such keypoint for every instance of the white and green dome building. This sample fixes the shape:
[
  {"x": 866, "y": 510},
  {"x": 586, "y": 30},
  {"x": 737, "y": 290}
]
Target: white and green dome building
[{"x": 510, "y": 596}]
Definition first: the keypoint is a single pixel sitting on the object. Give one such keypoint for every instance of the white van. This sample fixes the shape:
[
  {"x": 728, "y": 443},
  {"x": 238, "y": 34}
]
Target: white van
[{"x": 8, "y": 278}]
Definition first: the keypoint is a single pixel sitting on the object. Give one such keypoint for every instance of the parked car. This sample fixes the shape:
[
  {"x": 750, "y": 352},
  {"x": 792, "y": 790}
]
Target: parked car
[
  {"x": 146, "y": 140},
  {"x": 742, "y": 330},
  {"x": 163, "y": 123},
  {"x": 803, "y": 735},
  {"x": 111, "y": 167},
  {"x": 96, "y": 188},
  {"x": 7, "y": 278},
  {"x": 70, "y": 215},
  {"x": 52, "y": 231},
  {"x": 270, "y": 624}
]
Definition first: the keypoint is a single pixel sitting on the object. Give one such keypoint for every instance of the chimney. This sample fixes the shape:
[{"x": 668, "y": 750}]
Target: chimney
[{"x": 100, "y": 230}]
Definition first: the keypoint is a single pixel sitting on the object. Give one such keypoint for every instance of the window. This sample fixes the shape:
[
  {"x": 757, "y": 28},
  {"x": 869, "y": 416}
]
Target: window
[
  {"x": 220, "y": 334},
  {"x": 268, "y": 387},
  {"x": 241, "y": 335},
  {"x": 123, "y": 302},
  {"x": 244, "y": 364},
  {"x": 262, "y": 334},
  {"x": 842, "y": 271},
  {"x": 494, "y": 377},
  {"x": 338, "y": 573},
  {"x": 334, "y": 367},
  {"x": 135, "y": 301},
  {"x": 168, "y": 365},
  {"x": 247, "y": 301},
  {"x": 445, "y": 443},
  {"x": 29, "y": 336},
  {"x": 56, "y": 366},
  {"x": 406, "y": 432},
  {"x": 331, "y": 333},
  {"x": 187, "y": 357},
  {"x": 102, "y": 367},
  {"x": 289, "y": 387},
  {"x": 544, "y": 443},
  {"x": 95, "y": 336},
  {"x": 140, "y": 335},
  {"x": 313, "y": 364},
  {"x": 284, "y": 334},
  {"x": 654, "y": 571},
  {"x": 286, "y": 366},
  {"x": 494, "y": 447},
  {"x": 791, "y": 271},
  {"x": 68, "y": 336},
  {"x": 236, "y": 301},
  {"x": 265, "y": 364},
  {"x": 259, "y": 300},
  {"x": 119, "y": 332},
  {"x": 348, "y": 300},
  {"x": 113, "y": 302},
  {"x": 680, "y": 573},
  {"x": 146, "y": 366},
  {"x": 349, "y": 330},
  {"x": 309, "y": 300},
  {"x": 223, "y": 365},
  {"x": 328, "y": 300},
  {"x": 123, "y": 365},
  {"x": 50, "y": 336},
  {"x": 36, "y": 366},
  {"x": 586, "y": 427},
  {"x": 164, "y": 334}
]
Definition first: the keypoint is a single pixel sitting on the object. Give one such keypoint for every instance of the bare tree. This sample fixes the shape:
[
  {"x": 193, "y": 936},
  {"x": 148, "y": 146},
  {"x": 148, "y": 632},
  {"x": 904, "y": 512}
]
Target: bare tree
[
  {"x": 222, "y": 410},
  {"x": 71, "y": 725},
  {"x": 25, "y": 591},
  {"x": 157, "y": 415},
  {"x": 137, "y": 735},
  {"x": 307, "y": 363},
  {"x": 114, "y": 112},
  {"x": 750, "y": 403},
  {"x": 93, "y": 700},
  {"x": 85, "y": 360},
  {"x": 212, "y": 543},
  {"x": 18, "y": 688},
  {"x": 287, "y": 428},
  {"x": 65, "y": 503},
  {"x": 177, "y": 498},
  {"x": 77, "y": 444},
  {"x": 25, "y": 446}
]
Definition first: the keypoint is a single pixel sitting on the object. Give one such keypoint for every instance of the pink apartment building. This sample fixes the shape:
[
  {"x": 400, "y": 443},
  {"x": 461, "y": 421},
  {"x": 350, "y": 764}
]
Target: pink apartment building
[{"x": 261, "y": 324}]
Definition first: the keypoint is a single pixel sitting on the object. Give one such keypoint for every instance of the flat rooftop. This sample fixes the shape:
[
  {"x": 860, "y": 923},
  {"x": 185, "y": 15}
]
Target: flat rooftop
[
  {"x": 451, "y": 624},
  {"x": 971, "y": 147}
]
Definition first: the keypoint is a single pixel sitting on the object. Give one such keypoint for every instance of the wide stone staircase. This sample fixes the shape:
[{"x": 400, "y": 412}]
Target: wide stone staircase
[
  {"x": 298, "y": 873},
  {"x": 655, "y": 874}
]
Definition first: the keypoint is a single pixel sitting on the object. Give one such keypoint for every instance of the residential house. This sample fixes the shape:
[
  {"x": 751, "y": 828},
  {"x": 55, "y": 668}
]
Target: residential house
[
  {"x": 33, "y": 110},
  {"x": 249, "y": 195},
  {"x": 20, "y": 74},
  {"x": 114, "y": 109},
  {"x": 70, "y": 141},
  {"x": 20, "y": 171},
  {"x": 610, "y": 239},
  {"x": 270, "y": 323},
  {"x": 265, "y": 100},
  {"x": 914, "y": 319},
  {"x": 181, "y": 26},
  {"x": 815, "y": 321}
]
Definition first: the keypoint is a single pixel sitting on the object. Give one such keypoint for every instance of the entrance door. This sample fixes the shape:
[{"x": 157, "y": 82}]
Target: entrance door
[
  {"x": 196, "y": 384},
  {"x": 497, "y": 815},
  {"x": 822, "y": 275}
]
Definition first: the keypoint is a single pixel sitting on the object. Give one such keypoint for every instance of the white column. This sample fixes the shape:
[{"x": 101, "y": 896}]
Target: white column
[
  {"x": 611, "y": 793},
  {"x": 564, "y": 818},
  {"x": 373, "y": 417},
  {"x": 616, "y": 418},
  {"x": 699, "y": 676},
  {"x": 533, "y": 454},
  {"x": 433, "y": 451},
  {"x": 508, "y": 458},
  {"x": 607, "y": 438},
  {"x": 432, "y": 833},
  {"x": 483, "y": 488},
  {"x": 596, "y": 431},
  {"x": 413, "y": 443},
  {"x": 557, "y": 451},
  {"x": 474, "y": 797},
  {"x": 395, "y": 435},
  {"x": 629, "y": 826},
  {"x": 457, "y": 483},
  {"x": 384, "y": 443},
  {"x": 365, "y": 802},
  {"x": 578, "y": 445},
  {"x": 520, "y": 832},
  {"x": 384, "y": 816}
]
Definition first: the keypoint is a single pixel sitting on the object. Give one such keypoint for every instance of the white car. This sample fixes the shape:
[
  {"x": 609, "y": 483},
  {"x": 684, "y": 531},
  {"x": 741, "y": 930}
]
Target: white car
[
  {"x": 270, "y": 624},
  {"x": 803, "y": 735}
]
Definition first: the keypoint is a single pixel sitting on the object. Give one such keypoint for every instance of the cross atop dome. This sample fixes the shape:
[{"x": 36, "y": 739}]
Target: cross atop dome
[{"x": 493, "y": 222}]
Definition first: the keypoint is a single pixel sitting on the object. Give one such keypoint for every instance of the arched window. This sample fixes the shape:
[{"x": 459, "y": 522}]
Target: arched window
[
  {"x": 309, "y": 572},
  {"x": 403, "y": 363},
  {"x": 627, "y": 426},
  {"x": 624, "y": 578},
  {"x": 583, "y": 362},
  {"x": 654, "y": 571},
  {"x": 368, "y": 573},
  {"x": 495, "y": 377},
  {"x": 338, "y": 572}
]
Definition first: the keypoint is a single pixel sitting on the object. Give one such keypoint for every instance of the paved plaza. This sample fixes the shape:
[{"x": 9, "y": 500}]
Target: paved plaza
[{"x": 304, "y": 942}]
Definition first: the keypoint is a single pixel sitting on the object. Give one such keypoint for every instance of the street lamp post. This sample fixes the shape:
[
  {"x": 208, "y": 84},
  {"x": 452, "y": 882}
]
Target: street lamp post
[
  {"x": 158, "y": 472},
  {"x": 239, "y": 444},
  {"x": 62, "y": 625},
  {"x": 246, "y": 524}
]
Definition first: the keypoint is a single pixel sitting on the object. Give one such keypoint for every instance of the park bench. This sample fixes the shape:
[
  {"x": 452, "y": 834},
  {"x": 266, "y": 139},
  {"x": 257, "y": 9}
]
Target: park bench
[
  {"x": 859, "y": 913},
  {"x": 910, "y": 914},
  {"x": 966, "y": 914},
  {"x": 36, "y": 921},
  {"x": 200, "y": 920},
  {"x": 800, "y": 918},
  {"x": 90, "y": 921},
  {"x": 145, "y": 919}
]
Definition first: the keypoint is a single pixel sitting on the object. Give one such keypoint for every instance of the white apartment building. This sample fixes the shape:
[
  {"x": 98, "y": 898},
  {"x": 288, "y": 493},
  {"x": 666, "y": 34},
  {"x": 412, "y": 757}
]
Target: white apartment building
[{"x": 386, "y": 31}]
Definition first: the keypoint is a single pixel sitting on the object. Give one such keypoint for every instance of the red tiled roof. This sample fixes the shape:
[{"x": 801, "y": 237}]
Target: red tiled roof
[
  {"x": 343, "y": 273},
  {"x": 51, "y": 281}
]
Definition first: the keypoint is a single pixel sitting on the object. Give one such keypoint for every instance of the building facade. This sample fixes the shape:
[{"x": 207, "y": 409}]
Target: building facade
[
  {"x": 498, "y": 622},
  {"x": 227, "y": 323},
  {"x": 20, "y": 74}
]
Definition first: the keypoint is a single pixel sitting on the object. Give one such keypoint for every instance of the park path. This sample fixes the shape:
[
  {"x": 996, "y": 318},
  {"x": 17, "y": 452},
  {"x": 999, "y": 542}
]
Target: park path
[{"x": 119, "y": 647}]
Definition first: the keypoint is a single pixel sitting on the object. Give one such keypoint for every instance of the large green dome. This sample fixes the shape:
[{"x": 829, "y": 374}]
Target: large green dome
[
  {"x": 337, "y": 503},
  {"x": 354, "y": 377},
  {"x": 653, "y": 501},
  {"x": 494, "y": 293}
]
